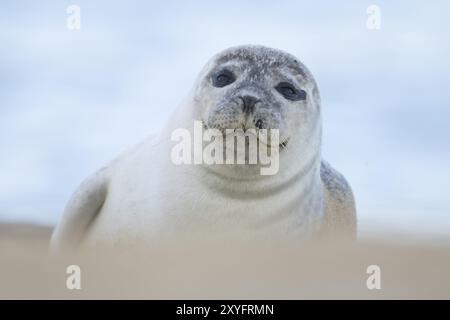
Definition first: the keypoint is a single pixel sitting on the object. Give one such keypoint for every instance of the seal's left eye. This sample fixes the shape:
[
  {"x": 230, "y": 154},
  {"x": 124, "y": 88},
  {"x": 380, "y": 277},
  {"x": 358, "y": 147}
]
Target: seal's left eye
[
  {"x": 288, "y": 91},
  {"x": 223, "y": 78}
]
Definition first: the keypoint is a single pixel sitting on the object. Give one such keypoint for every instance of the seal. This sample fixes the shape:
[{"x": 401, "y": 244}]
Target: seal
[{"x": 146, "y": 196}]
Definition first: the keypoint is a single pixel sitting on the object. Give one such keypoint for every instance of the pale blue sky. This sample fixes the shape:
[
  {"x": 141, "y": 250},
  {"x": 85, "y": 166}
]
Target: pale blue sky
[{"x": 72, "y": 100}]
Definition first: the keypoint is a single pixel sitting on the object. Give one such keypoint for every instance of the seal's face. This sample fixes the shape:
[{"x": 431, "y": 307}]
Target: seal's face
[{"x": 253, "y": 87}]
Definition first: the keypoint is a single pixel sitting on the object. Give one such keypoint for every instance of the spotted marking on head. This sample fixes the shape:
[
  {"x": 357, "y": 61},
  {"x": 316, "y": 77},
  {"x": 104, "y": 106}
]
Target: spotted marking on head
[{"x": 240, "y": 89}]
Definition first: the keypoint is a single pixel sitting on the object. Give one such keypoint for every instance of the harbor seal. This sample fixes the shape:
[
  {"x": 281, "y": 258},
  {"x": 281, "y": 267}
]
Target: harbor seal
[{"x": 145, "y": 195}]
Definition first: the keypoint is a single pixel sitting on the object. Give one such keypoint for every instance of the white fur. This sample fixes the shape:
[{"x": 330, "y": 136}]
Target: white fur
[{"x": 145, "y": 197}]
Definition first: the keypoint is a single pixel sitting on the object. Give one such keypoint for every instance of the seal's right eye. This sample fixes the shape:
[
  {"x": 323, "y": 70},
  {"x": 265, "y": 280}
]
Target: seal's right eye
[{"x": 223, "y": 78}]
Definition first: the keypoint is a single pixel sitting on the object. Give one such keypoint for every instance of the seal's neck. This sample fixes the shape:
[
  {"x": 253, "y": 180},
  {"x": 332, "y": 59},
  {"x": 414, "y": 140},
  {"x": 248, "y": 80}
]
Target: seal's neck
[{"x": 299, "y": 177}]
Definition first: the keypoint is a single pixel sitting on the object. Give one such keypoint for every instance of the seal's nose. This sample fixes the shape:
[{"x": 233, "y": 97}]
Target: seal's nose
[{"x": 248, "y": 103}]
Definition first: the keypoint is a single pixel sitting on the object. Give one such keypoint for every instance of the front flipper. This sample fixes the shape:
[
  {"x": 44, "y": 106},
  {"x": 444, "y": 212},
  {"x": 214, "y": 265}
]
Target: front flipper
[{"x": 80, "y": 211}]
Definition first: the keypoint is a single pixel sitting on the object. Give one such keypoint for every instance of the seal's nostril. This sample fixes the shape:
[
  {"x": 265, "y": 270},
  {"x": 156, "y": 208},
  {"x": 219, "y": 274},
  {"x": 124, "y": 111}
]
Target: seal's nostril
[{"x": 248, "y": 103}]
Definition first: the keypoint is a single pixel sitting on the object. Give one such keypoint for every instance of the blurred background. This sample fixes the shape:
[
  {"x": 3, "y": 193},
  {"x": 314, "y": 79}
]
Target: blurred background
[{"x": 71, "y": 100}]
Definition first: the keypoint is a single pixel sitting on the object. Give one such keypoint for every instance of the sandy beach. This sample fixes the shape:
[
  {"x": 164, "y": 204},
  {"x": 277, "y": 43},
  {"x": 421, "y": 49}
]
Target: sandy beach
[{"x": 222, "y": 270}]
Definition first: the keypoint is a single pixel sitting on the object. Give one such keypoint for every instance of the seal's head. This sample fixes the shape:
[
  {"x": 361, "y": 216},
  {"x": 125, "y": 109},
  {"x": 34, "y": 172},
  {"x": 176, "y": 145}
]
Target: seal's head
[{"x": 256, "y": 87}]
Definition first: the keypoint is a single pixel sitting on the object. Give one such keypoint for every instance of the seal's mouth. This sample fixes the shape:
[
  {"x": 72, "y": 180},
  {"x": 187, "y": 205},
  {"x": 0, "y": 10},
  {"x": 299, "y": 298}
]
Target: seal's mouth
[{"x": 231, "y": 132}]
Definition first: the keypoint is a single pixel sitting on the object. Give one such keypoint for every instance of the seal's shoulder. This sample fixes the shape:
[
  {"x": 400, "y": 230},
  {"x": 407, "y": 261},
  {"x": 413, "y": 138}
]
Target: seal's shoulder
[
  {"x": 340, "y": 212},
  {"x": 334, "y": 182},
  {"x": 134, "y": 151}
]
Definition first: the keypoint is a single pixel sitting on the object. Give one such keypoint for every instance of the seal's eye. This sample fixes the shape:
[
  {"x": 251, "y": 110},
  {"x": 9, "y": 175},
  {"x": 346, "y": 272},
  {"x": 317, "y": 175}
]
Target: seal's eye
[
  {"x": 288, "y": 91},
  {"x": 223, "y": 78}
]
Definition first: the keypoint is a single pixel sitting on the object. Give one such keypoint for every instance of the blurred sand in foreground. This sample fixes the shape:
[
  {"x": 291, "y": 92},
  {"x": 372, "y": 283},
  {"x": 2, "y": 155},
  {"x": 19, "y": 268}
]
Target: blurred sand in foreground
[{"x": 222, "y": 270}]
